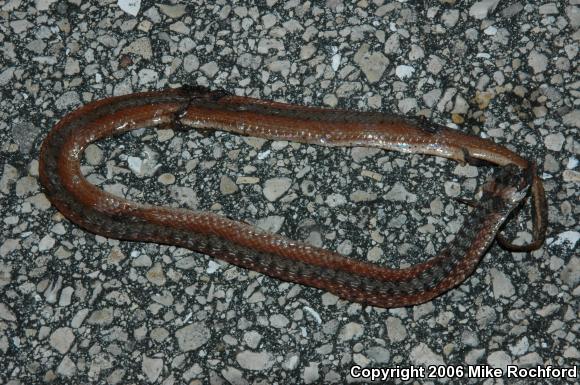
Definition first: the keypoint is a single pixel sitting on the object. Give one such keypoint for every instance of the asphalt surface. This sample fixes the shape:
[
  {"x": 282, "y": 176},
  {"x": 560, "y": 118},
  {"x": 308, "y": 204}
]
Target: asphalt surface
[{"x": 80, "y": 308}]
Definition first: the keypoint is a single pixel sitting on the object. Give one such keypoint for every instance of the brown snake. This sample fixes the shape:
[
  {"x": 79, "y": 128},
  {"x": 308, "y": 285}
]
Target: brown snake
[{"x": 246, "y": 246}]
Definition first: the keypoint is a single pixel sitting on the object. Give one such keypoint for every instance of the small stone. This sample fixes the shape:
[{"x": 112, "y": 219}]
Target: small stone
[
  {"x": 554, "y": 142},
  {"x": 26, "y": 186},
  {"x": 190, "y": 63},
  {"x": 252, "y": 338},
  {"x": 499, "y": 359},
  {"x": 378, "y": 354},
  {"x": 306, "y": 51},
  {"x": 166, "y": 179},
  {"x": 140, "y": 47},
  {"x": 232, "y": 375},
  {"x": 473, "y": 356},
  {"x": 276, "y": 187},
  {"x": 65, "y": 296},
  {"x": 156, "y": 275},
  {"x": 372, "y": 64},
  {"x": 101, "y": 317},
  {"x": 452, "y": 189},
  {"x": 46, "y": 243},
  {"x": 291, "y": 361},
  {"x": 361, "y": 153},
  {"x": 395, "y": 329},
  {"x": 130, "y": 6},
  {"x": 279, "y": 321},
  {"x": 51, "y": 292},
  {"x": 404, "y": 71},
  {"x": 79, "y": 318},
  {"x": 173, "y": 11},
  {"x": 570, "y": 275},
  {"x": 406, "y": 105},
  {"x": 271, "y": 224},
  {"x": 450, "y": 17},
  {"x": 6, "y": 313},
  {"x": 227, "y": 186},
  {"x": 350, "y": 331},
  {"x": 152, "y": 368},
  {"x": 68, "y": 99},
  {"x": 209, "y": 69},
  {"x": 548, "y": 9},
  {"x": 9, "y": 176},
  {"x": 311, "y": 373},
  {"x": 431, "y": 97},
  {"x": 502, "y": 285},
  {"x": 481, "y": 9},
  {"x": 398, "y": 193},
  {"x": 159, "y": 334},
  {"x": 67, "y": 367},
  {"x": 147, "y": 76},
  {"x": 572, "y": 118},
  {"x": 520, "y": 347},
  {"x": 469, "y": 338},
  {"x": 423, "y": 355},
  {"x": 335, "y": 200},
  {"x": 62, "y": 339},
  {"x": 375, "y": 254},
  {"x": 485, "y": 316},
  {"x": 93, "y": 154},
  {"x": 192, "y": 336},
  {"x": 185, "y": 196},
  {"x": 571, "y": 352},
  {"x": 142, "y": 261},
  {"x": 255, "y": 360},
  {"x": 269, "y": 20},
  {"x": 538, "y": 61}
]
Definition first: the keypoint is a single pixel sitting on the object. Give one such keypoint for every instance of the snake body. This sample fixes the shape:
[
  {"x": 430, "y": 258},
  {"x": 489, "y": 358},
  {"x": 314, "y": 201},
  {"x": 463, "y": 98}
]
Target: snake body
[{"x": 244, "y": 245}]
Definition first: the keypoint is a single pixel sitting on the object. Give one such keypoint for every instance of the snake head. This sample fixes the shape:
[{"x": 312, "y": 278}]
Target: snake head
[{"x": 509, "y": 183}]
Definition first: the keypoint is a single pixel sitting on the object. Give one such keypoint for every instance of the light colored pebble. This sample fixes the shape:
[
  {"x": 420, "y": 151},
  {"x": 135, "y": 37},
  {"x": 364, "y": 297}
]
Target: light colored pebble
[
  {"x": 67, "y": 367},
  {"x": 481, "y": 9},
  {"x": 101, "y": 317},
  {"x": 62, "y": 339},
  {"x": 192, "y": 337},
  {"x": 423, "y": 355},
  {"x": 272, "y": 223},
  {"x": 396, "y": 330},
  {"x": 152, "y": 368},
  {"x": 156, "y": 275},
  {"x": 378, "y": 354},
  {"x": 538, "y": 61},
  {"x": 276, "y": 187},
  {"x": 166, "y": 178},
  {"x": 93, "y": 154},
  {"x": 46, "y": 243},
  {"x": 399, "y": 193},
  {"x": 6, "y": 313},
  {"x": 255, "y": 360},
  {"x": 502, "y": 285},
  {"x": 252, "y": 338},
  {"x": 232, "y": 375},
  {"x": 372, "y": 64},
  {"x": 335, "y": 200},
  {"x": 499, "y": 359},
  {"x": 279, "y": 321},
  {"x": 227, "y": 185},
  {"x": 311, "y": 373},
  {"x": 351, "y": 331},
  {"x": 554, "y": 142},
  {"x": 27, "y": 186},
  {"x": 65, "y": 296}
]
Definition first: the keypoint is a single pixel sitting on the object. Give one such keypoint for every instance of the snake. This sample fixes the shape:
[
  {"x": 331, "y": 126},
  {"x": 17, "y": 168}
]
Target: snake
[{"x": 241, "y": 244}]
